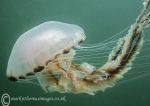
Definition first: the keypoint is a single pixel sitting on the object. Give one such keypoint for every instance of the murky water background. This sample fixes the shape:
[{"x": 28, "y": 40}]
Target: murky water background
[{"x": 100, "y": 19}]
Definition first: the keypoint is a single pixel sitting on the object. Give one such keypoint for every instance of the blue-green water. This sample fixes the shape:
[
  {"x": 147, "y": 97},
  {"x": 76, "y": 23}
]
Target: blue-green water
[{"x": 100, "y": 19}]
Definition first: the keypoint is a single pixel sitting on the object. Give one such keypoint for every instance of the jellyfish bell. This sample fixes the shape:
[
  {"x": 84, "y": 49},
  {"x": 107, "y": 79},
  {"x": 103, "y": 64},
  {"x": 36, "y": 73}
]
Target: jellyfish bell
[{"x": 40, "y": 45}]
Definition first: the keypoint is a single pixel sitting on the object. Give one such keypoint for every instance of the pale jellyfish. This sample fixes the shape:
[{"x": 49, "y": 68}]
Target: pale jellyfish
[{"x": 47, "y": 53}]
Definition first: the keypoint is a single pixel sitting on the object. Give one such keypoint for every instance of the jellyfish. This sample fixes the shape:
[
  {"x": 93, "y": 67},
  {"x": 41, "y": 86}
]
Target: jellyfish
[{"x": 48, "y": 53}]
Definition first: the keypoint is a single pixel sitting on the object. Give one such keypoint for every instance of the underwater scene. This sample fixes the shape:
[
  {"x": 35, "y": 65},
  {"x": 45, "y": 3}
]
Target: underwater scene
[{"x": 75, "y": 52}]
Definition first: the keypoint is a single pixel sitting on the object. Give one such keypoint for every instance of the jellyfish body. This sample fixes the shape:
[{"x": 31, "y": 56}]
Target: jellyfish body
[{"x": 47, "y": 53}]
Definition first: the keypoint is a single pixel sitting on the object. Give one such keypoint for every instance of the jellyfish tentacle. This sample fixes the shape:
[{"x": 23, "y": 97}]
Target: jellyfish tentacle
[{"x": 106, "y": 40}]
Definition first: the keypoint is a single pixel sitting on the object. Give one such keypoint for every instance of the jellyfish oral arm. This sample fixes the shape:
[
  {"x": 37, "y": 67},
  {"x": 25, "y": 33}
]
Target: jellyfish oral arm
[{"x": 121, "y": 57}]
